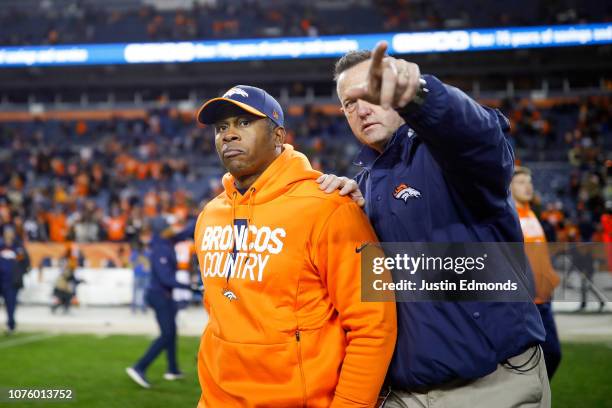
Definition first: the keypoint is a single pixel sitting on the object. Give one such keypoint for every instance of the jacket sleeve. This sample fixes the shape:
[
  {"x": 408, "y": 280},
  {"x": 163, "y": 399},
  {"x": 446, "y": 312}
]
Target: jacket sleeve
[
  {"x": 164, "y": 265},
  {"x": 186, "y": 233},
  {"x": 370, "y": 326},
  {"x": 467, "y": 139}
]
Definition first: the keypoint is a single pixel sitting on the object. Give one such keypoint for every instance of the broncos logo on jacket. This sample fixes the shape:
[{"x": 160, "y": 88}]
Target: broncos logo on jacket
[{"x": 404, "y": 192}]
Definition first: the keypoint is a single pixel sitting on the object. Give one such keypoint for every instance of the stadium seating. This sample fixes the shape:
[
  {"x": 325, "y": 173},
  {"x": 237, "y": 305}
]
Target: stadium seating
[
  {"x": 66, "y": 164},
  {"x": 70, "y": 21}
]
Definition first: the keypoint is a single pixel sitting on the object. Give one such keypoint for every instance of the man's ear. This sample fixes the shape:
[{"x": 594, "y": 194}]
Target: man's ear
[{"x": 279, "y": 136}]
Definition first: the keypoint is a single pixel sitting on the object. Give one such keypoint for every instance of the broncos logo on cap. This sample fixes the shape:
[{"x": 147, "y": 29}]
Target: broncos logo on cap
[
  {"x": 404, "y": 192},
  {"x": 236, "y": 90}
]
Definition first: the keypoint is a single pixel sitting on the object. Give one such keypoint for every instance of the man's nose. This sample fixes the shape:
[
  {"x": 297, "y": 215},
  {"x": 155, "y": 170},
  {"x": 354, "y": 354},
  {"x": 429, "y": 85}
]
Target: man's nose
[
  {"x": 363, "y": 108},
  {"x": 230, "y": 135}
]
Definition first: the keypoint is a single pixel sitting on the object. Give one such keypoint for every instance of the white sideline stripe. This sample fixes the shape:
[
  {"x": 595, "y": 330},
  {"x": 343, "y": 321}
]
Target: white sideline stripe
[{"x": 25, "y": 340}]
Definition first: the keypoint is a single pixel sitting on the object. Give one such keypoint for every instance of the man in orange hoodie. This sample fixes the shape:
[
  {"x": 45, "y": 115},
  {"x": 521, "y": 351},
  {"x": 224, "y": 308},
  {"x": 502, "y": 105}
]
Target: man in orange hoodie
[
  {"x": 545, "y": 277},
  {"x": 279, "y": 263}
]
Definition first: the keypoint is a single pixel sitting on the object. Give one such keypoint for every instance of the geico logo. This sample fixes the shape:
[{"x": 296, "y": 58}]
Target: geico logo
[{"x": 254, "y": 238}]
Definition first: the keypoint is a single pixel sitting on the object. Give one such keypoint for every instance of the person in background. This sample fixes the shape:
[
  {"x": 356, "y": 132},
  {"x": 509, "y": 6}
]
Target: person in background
[
  {"x": 115, "y": 225},
  {"x": 545, "y": 277},
  {"x": 159, "y": 297},
  {"x": 35, "y": 227},
  {"x": 586, "y": 264},
  {"x": 58, "y": 225},
  {"x": 66, "y": 284},
  {"x": 185, "y": 253},
  {"x": 134, "y": 224},
  {"x": 14, "y": 263},
  {"x": 141, "y": 265},
  {"x": 23, "y": 262}
]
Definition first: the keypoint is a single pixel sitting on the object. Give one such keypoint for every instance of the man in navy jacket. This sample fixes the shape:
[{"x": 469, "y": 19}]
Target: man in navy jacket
[
  {"x": 436, "y": 167},
  {"x": 9, "y": 253},
  {"x": 159, "y": 297}
]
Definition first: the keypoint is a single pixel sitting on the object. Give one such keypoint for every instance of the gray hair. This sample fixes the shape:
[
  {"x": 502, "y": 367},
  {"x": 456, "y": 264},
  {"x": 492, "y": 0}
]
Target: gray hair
[{"x": 349, "y": 60}]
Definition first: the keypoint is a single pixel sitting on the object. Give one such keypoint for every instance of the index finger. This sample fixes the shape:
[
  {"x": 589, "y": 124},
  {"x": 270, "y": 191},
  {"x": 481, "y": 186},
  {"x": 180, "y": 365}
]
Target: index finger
[{"x": 377, "y": 56}]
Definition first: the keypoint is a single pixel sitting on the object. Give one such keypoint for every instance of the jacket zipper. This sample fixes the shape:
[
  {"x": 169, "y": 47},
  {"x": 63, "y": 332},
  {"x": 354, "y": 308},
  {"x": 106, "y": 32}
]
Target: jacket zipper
[
  {"x": 299, "y": 350},
  {"x": 367, "y": 195}
]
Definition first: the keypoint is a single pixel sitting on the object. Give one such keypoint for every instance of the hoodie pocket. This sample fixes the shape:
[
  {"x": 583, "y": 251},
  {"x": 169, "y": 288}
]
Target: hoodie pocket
[{"x": 253, "y": 375}]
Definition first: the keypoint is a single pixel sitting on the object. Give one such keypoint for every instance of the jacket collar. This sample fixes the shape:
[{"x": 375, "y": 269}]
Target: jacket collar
[{"x": 367, "y": 155}]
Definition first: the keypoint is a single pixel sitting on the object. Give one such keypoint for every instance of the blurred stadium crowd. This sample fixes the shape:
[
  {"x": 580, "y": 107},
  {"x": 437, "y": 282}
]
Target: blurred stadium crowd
[
  {"x": 578, "y": 207},
  {"x": 78, "y": 21},
  {"x": 89, "y": 181},
  {"x": 86, "y": 180}
]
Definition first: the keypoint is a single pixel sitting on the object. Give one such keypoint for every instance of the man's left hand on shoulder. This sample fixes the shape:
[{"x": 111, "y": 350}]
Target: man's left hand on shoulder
[{"x": 330, "y": 183}]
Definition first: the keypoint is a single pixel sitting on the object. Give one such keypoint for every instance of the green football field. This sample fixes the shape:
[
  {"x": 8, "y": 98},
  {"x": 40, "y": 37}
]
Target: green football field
[{"x": 93, "y": 366}]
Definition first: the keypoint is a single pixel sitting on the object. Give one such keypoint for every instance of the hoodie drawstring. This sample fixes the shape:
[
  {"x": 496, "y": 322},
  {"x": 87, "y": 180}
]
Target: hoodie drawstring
[
  {"x": 234, "y": 247},
  {"x": 249, "y": 218},
  {"x": 234, "y": 250},
  {"x": 250, "y": 205},
  {"x": 234, "y": 207}
]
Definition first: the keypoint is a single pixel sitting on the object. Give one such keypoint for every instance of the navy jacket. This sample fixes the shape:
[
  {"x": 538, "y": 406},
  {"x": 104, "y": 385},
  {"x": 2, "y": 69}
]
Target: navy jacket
[
  {"x": 455, "y": 156},
  {"x": 8, "y": 265},
  {"x": 163, "y": 268}
]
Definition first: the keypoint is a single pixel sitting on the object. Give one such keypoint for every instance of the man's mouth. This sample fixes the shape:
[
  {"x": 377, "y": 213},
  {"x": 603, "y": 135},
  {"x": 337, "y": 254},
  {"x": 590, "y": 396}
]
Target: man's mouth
[
  {"x": 230, "y": 152},
  {"x": 366, "y": 127}
]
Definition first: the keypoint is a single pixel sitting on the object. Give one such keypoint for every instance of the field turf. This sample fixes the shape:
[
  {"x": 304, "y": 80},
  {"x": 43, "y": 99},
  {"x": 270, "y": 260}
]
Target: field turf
[{"x": 93, "y": 366}]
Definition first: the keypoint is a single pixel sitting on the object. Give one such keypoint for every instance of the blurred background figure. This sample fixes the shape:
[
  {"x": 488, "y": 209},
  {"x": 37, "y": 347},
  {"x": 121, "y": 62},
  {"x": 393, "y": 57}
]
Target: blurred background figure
[
  {"x": 185, "y": 254},
  {"x": 585, "y": 263},
  {"x": 64, "y": 291},
  {"x": 159, "y": 297},
  {"x": 545, "y": 277},
  {"x": 14, "y": 264},
  {"x": 140, "y": 262}
]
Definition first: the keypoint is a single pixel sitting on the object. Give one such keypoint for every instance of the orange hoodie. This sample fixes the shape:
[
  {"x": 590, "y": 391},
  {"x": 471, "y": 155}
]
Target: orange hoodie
[
  {"x": 536, "y": 248},
  {"x": 287, "y": 328}
]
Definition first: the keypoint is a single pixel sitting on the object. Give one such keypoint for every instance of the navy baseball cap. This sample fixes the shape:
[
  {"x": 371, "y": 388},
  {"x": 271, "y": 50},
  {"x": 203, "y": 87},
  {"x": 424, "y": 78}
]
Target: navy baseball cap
[{"x": 251, "y": 99}]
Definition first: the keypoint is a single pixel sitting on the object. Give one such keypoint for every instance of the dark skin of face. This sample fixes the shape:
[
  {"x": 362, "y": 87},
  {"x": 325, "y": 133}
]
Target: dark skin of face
[{"x": 245, "y": 144}]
